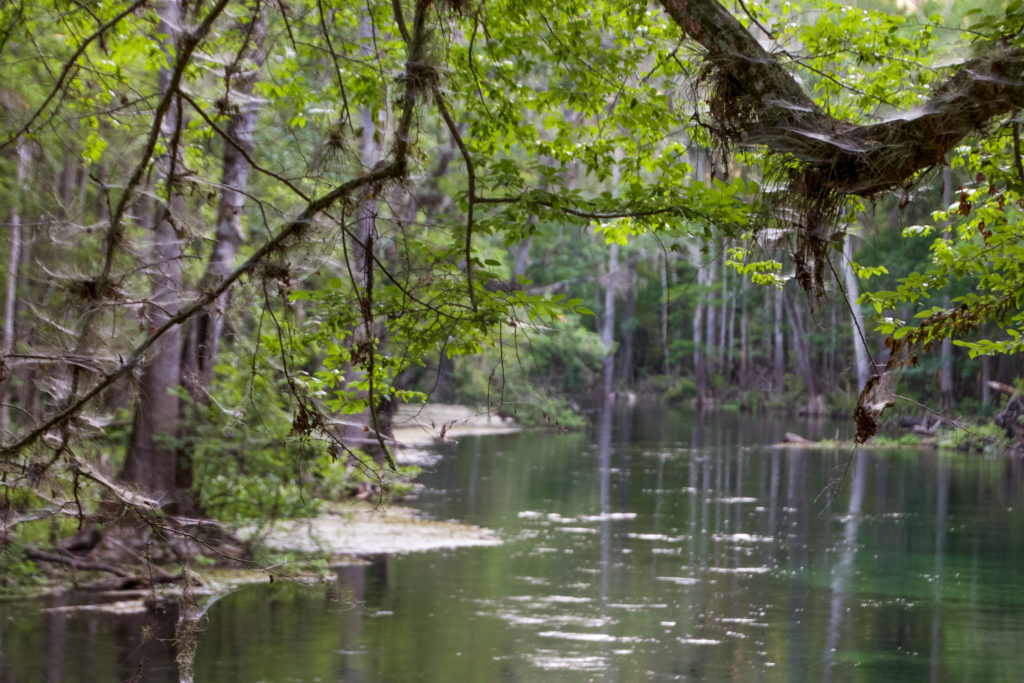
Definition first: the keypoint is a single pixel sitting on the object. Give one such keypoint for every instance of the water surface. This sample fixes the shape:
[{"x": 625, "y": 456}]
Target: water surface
[{"x": 656, "y": 548}]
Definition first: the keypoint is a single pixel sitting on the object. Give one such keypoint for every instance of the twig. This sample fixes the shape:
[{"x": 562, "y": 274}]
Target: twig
[
  {"x": 1016, "y": 151},
  {"x": 470, "y": 187}
]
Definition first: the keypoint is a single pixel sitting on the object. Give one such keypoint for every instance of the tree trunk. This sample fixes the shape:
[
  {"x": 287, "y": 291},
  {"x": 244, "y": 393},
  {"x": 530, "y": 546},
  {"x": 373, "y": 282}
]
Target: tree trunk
[
  {"x": 207, "y": 328},
  {"x": 946, "y": 401},
  {"x": 828, "y": 365},
  {"x": 608, "y": 326},
  {"x": 860, "y": 348},
  {"x": 986, "y": 375},
  {"x": 744, "y": 344},
  {"x": 628, "y": 325},
  {"x": 801, "y": 347},
  {"x": 664, "y": 312},
  {"x": 723, "y": 326},
  {"x": 730, "y": 316},
  {"x": 779, "y": 365},
  {"x": 522, "y": 259},
  {"x": 700, "y": 376},
  {"x": 712, "y": 348},
  {"x": 68, "y": 175},
  {"x": 11, "y": 294},
  {"x": 152, "y": 462}
]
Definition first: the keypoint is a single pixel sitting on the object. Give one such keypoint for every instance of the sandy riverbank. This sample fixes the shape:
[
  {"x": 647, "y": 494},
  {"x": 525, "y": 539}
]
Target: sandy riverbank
[
  {"x": 424, "y": 425},
  {"x": 353, "y": 530}
]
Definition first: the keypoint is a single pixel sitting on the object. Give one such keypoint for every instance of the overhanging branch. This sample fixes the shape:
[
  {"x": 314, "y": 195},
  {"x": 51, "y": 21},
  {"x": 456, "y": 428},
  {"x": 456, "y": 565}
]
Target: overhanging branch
[{"x": 757, "y": 102}]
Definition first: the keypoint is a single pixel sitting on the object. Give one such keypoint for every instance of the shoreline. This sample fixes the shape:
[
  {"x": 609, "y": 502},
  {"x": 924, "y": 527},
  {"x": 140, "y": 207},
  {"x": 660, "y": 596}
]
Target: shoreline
[
  {"x": 417, "y": 426},
  {"x": 355, "y": 530}
]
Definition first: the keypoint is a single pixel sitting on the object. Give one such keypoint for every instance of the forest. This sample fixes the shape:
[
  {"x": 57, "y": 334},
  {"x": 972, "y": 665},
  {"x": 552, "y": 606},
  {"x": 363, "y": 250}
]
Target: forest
[{"x": 238, "y": 235}]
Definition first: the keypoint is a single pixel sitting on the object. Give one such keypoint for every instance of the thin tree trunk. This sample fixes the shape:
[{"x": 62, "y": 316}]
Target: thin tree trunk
[
  {"x": 664, "y": 312},
  {"x": 730, "y": 336},
  {"x": 986, "y": 375},
  {"x": 779, "y": 367},
  {"x": 11, "y": 294},
  {"x": 946, "y": 401},
  {"x": 723, "y": 328},
  {"x": 713, "y": 348},
  {"x": 151, "y": 462},
  {"x": 69, "y": 172},
  {"x": 744, "y": 344},
  {"x": 608, "y": 326},
  {"x": 628, "y": 325},
  {"x": 801, "y": 347},
  {"x": 700, "y": 377},
  {"x": 860, "y": 349},
  {"x": 829, "y": 359},
  {"x": 522, "y": 259},
  {"x": 207, "y": 328}
]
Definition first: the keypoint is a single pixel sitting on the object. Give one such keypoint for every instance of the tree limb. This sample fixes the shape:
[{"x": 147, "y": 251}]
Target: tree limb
[{"x": 756, "y": 102}]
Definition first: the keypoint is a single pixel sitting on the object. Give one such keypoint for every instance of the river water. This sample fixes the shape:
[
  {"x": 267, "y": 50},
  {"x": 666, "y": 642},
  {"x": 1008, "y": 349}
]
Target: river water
[{"x": 659, "y": 547}]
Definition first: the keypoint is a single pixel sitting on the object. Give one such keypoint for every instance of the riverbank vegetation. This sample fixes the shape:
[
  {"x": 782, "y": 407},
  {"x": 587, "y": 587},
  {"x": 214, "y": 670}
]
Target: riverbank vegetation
[{"x": 239, "y": 234}]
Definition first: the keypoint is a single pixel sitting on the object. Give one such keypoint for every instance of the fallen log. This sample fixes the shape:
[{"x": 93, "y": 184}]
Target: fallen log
[
  {"x": 1001, "y": 388},
  {"x": 75, "y": 562},
  {"x": 132, "y": 581}
]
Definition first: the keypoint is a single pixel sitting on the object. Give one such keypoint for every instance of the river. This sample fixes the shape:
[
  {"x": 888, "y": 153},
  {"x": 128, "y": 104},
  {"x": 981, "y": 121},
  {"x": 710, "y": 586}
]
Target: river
[{"x": 658, "y": 547}]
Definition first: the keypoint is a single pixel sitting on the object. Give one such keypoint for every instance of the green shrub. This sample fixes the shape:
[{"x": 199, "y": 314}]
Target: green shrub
[
  {"x": 983, "y": 438},
  {"x": 683, "y": 390},
  {"x": 531, "y": 375},
  {"x": 249, "y": 463}
]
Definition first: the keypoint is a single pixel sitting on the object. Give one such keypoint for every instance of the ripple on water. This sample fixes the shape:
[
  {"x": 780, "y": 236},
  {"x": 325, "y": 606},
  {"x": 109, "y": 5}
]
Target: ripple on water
[
  {"x": 516, "y": 618},
  {"x": 583, "y": 637},
  {"x": 556, "y": 661},
  {"x": 553, "y": 599},
  {"x": 632, "y": 607},
  {"x": 742, "y": 538},
  {"x": 655, "y": 537},
  {"x": 534, "y": 580},
  {"x": 681, "y": 580},
  {"x": 608, "y": 516},
  {"x": 740, "y": 620},
  {"x": 699, "y": 641}
]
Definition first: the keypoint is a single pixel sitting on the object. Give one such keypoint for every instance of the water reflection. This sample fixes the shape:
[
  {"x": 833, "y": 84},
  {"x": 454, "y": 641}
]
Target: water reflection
[
  {"x": 843, "y": 571},
  {"x": 655, "y": 549}
]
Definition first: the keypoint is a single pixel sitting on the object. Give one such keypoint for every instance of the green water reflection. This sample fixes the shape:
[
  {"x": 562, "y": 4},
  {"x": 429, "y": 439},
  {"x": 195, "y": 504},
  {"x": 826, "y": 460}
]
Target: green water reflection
[{"x": 658, "y": 548}]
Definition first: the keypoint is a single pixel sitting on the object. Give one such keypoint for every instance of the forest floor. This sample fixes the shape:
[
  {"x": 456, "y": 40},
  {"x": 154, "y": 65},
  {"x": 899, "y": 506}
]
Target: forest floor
[{"x": 345, "y": 532}]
